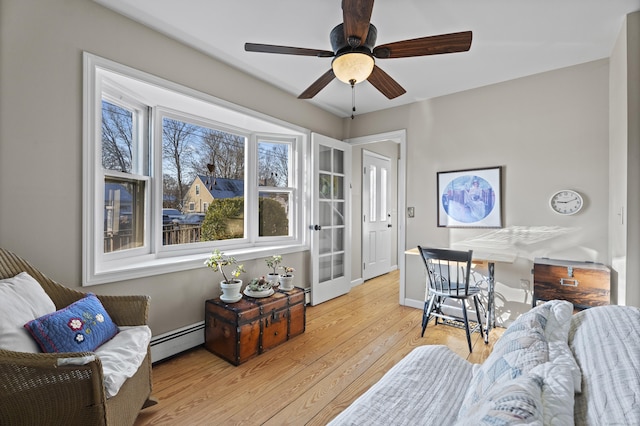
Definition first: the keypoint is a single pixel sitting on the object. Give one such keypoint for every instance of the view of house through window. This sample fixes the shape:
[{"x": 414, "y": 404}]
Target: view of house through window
[
  {"x": 172, "y": 173},
  {"x": 203, "y": 176},
  {"x": 203, "y": 183}
]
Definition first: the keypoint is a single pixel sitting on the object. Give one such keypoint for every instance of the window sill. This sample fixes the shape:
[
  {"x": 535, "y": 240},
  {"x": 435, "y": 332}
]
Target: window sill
[{"x": 152, "y": 265}]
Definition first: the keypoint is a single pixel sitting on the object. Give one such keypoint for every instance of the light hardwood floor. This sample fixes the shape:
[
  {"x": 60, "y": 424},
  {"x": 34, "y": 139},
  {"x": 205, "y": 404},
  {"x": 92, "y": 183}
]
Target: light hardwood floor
[{"x": 349, "y": 343}]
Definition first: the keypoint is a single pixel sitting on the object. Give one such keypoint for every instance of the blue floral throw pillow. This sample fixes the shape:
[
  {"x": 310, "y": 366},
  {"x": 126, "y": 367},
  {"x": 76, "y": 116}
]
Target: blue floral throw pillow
[{"x": 80, "y": 327}]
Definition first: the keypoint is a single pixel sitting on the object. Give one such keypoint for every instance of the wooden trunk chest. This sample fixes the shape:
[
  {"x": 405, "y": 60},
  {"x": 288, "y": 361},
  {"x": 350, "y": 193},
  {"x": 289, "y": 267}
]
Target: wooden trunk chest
[
  {"x": 240, "y": 331},
  {"x": 585, "y": 284}
]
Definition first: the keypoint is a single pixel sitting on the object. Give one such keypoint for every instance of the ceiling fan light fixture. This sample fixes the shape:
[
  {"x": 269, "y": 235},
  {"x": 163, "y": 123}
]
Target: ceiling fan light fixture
[{"x": 353, "y": 66}]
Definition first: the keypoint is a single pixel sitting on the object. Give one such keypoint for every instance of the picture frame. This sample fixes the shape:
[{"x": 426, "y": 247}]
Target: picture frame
[{"x": 470, "y": 198}]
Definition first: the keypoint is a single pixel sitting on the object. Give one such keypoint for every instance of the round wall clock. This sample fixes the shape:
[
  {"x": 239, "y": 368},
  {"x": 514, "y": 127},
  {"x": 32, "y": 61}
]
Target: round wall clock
[{"x": 566, "y": 202}]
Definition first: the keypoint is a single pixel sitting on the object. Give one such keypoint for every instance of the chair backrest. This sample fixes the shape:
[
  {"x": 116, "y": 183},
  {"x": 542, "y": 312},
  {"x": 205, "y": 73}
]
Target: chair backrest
[{"x": 448, "y": 270}]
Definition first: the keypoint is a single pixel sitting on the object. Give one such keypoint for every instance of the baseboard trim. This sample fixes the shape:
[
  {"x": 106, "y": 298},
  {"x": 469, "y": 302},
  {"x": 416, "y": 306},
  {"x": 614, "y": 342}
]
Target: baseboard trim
[{"x": 176, "y": 341}]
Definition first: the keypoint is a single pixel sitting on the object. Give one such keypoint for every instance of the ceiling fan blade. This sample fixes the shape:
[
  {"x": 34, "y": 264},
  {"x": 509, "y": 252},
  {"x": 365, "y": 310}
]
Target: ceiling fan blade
[
  {"x": 286, "y": 50},
  {"x": 356, "y": 15},
  {"x": 385, "y": 84},
  {"x": 318, "y": 85},
  {"x": 432, "y": 45}
]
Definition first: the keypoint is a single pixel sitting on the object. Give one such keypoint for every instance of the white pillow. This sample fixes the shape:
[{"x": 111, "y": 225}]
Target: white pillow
[
  {"x": 122, "y": 356},
  {"x": 22, "y": 299}
]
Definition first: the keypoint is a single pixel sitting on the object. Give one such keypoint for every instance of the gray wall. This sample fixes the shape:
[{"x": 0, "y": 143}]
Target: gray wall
[
  {"x": 41, "y": 45},
  {"x": 550, "y": 131}
]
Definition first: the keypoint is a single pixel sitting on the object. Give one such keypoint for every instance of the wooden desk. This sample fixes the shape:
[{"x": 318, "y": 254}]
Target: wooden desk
[{"x": 490, "y": 258}]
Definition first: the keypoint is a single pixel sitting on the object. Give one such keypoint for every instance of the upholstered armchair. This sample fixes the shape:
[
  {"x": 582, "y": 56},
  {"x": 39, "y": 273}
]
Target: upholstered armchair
[{"x": 68, "y": 388}]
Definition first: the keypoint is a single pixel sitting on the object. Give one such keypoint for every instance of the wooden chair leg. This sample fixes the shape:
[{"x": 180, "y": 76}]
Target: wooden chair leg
[{"x": 466, "y": 325}]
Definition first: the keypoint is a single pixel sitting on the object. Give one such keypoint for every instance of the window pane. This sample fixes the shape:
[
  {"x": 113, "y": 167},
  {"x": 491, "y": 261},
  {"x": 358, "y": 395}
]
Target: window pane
[
  {"x": 324, "y": 186},
  {"x": 123, "y": 214},
  {"x": 372, "y": 194},
  {"x": 338, "y": 188},
  {"x": 338, "y": 239},
  {"x": 324, "y": 213},
  {"x": 273, "y": 214},
  {"x": 324, "y": 268},
  {"x": 338, "y": 265},
  {"x": 383, "y": 195},
  {"x": 325, "y": 241},
  {"x": 117, "y": 137},
  {"x": 338, "y": 161},
  {"x": 338, "y": 213},
  {"x": 324, "y": 158},
  {"x": 203, "y": 173},
  {"x": 273, "y": 164}
]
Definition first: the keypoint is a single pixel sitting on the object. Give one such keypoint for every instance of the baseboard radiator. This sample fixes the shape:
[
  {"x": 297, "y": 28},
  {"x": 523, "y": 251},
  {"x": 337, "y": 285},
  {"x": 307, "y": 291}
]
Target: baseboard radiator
[{"x": 176, "y": 341}]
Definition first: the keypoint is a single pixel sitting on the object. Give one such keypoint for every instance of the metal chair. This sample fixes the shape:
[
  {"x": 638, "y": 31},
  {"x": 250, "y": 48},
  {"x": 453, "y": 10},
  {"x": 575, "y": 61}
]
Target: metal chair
[{"x": 448, "y": 274}]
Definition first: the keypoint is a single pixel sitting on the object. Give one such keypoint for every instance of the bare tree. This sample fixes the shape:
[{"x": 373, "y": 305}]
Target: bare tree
[
  {"x": 179, "y": 142},
  {"x": 225, "y": 151},
  {"x": 117, "y": 137},
  {"x": 273, "y": 164},
  {"x": 170, "y": 192}
]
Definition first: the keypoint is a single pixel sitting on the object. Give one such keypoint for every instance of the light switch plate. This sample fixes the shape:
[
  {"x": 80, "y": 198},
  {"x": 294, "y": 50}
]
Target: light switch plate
[{"x": 411, "y": 211}]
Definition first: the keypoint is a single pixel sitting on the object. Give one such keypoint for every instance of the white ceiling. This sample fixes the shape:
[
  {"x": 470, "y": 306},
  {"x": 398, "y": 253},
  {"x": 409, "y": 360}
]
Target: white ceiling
[{"x": 511, "y": 39}]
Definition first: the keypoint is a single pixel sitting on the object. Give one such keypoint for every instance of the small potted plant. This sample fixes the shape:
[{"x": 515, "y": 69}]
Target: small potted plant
[
  {"x": 230, "y": 284},
  {"x": 259, "y": 287},
  {"x": 273, "y": 262},
  {"x": 286, "y": 278}
]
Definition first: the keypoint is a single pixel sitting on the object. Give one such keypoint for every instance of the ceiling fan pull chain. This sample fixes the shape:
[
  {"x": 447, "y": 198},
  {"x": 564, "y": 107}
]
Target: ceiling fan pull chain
[{"x": 353, "y": 97}]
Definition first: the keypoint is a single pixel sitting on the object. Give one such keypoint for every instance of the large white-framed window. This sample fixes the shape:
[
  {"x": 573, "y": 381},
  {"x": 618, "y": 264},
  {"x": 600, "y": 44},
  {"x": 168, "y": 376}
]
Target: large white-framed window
[{"x": 152, "y": 146}]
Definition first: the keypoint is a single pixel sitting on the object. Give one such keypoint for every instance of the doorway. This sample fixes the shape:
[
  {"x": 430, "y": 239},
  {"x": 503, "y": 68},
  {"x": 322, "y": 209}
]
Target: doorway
[
  {"x": 397, "y": 140},
  {"x": 377, "y": 218}
]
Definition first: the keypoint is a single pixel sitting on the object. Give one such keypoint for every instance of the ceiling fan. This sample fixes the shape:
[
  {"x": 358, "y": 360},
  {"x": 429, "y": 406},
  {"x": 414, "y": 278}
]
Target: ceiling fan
[{"x": 354, "y": 53}]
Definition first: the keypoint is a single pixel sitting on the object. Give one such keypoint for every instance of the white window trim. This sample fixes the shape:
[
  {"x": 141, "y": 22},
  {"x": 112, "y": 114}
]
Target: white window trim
[{"x": 151, "y": 261}]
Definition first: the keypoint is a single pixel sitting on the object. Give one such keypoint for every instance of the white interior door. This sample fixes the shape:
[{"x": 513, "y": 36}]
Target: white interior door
[
  {"x": 376, "y": 215},
  {"x": 331, "y": 215}
]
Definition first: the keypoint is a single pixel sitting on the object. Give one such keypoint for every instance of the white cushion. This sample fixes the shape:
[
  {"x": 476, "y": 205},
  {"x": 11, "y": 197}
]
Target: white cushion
[
  {"x": 22, "y": 299},
  {"x": 122, "y": 356}
]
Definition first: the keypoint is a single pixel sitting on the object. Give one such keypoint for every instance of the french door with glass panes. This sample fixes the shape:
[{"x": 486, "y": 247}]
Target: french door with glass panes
[{"x": 331, "y": 213}]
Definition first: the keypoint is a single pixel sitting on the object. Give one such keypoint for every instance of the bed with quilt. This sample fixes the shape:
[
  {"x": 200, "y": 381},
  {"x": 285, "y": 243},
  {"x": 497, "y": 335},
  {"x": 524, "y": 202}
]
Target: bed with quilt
[{"x": 550, "y": 367}]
